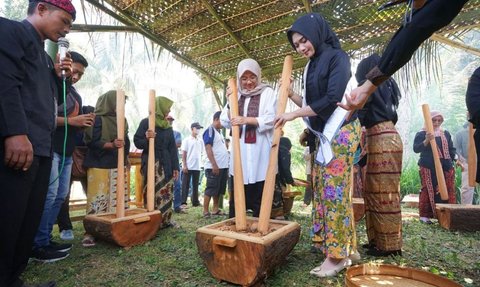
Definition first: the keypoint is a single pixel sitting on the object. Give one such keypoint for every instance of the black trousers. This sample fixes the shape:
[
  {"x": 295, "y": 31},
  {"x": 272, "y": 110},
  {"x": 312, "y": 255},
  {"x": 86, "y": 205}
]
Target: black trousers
[
  {"x": 63, "y": 218},
  {"x": 23, "y": 195},
  {"x": 307, "y": 197},
  {"x": 253, "y": 198},
  {"x": 194, "y": 175}
]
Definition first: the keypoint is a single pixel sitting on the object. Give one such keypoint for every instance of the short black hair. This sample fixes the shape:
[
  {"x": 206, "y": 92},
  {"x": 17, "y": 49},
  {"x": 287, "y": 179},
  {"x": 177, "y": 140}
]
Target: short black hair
[
  {"x": 216, "y": 115},
  {"x": 33, "y": 4},
  {"x": 78, "y": 58}
]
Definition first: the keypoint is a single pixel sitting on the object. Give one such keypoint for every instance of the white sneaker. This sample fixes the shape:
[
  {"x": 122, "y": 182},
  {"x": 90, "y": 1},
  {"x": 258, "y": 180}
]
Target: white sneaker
[{"x": 66, "y": 235}]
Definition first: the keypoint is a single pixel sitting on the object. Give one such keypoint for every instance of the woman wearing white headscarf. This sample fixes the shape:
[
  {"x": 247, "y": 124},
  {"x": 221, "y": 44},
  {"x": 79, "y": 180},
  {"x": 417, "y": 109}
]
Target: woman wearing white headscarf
[
  {"x": 429, "y": 194},
  {"x": 256, "y": 105}
]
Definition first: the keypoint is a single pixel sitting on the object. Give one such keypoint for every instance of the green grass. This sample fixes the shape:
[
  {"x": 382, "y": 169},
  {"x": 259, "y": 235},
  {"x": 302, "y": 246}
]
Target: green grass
[{"x": 171, "y": 258}]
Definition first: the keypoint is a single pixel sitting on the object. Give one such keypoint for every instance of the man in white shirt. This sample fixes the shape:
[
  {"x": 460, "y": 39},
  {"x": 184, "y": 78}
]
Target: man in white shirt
[
  {"x": 191, "y": 148},
  {"x": 216, "y": 165}
]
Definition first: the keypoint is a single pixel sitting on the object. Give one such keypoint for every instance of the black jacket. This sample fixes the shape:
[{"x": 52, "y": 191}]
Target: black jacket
[
  {"x": 97, "y": 156},
  {"x": 165, "y": 148},
  {"x": 28, "y": 87}
]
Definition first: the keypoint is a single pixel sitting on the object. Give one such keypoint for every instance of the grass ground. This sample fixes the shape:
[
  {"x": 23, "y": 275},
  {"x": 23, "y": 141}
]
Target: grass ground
[{"x": 171, "y": 258}]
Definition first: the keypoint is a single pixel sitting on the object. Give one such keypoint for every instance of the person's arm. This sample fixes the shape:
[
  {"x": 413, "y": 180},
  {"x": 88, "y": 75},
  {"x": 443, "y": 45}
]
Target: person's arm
[
  {"x": 433, "y": 16},
  {"x": 267, "y": 110},
  {"x": 296, "y": 98},
  {"x": 139, "y": 139},
  {"x": 451, "y": 147},
  {"x": 457, "y": 143},
  {"x": 420, "y": 143},
  {"x": 80, "y": 121},
  {"x": 339, "y": 76},
  {"x": 184, "y": 155},
  {"x": 96, "y": 140},
  {"x": 13, "y": 120},
  {"x": 172, "y": 149},
  {"x": 208, "y": 138},
  {"x": 225, "y": 117},
  {"x": 284, "y": 164}
]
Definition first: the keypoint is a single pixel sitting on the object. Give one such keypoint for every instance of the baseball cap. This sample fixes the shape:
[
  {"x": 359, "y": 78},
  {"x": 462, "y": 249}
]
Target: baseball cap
[{"x": 196, "y": 125}]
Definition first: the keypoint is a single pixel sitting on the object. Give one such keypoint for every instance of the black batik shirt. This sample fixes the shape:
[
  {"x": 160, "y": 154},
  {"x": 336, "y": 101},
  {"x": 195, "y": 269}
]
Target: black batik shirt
[{"x": 27, "y": 87}]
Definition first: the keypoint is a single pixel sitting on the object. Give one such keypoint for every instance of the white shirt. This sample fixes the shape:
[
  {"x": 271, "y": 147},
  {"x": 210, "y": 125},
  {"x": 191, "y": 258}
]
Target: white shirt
[
  {"x": 255, "y": 157},
  {"x": 219, "y": 149},
  {"x": 194, "y": 148}
]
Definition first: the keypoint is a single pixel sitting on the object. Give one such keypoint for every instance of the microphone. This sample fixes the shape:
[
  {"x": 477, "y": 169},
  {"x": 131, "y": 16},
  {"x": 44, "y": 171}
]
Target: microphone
[
  {"x": 63, "y": 45},
  {"x": 390, "y": 4}
]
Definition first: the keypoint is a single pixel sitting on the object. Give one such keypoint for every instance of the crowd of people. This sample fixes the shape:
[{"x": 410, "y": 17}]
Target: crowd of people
[{"x": 39, "y": 164}]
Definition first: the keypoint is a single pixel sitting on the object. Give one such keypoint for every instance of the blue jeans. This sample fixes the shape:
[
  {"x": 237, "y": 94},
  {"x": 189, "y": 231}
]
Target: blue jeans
[
  {"x": 177, "y": 192},
  {"x": 57, "y": 191}
]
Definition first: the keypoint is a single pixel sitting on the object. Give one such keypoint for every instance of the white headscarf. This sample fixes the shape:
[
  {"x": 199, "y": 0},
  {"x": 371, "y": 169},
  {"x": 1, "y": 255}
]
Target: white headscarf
[{"x": 252, "y": 66}]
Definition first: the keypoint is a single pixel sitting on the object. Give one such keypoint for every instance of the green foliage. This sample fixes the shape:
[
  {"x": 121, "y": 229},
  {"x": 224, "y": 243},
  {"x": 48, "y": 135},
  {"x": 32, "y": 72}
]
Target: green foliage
[
  {"x": 171, "y": 258},
  {"x": 410, "y": 179},
  {"x": 14, "y": 9}
]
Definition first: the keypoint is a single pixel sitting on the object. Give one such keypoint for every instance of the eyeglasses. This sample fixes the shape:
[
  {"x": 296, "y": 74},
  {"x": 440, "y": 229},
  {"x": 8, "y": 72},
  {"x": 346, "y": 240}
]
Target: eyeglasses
[{"x": 437, "y": 120}]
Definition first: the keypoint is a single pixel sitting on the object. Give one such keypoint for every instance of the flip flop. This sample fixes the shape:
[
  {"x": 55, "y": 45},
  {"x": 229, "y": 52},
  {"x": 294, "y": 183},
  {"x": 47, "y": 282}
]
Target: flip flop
[
  {"x": 218, "y": 212},
  {"x": 88, "y": 241},
  {"x": 332, "y": 272}
]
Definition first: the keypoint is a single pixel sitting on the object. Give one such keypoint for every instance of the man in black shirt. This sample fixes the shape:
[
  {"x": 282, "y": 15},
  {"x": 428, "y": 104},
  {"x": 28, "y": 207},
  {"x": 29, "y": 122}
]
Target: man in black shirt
[
  {"x": 28, "y": 91},
  {"x": 44, "y": 249}
]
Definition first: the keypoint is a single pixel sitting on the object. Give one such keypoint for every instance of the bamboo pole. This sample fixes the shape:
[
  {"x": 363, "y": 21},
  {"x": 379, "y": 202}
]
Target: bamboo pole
[
  {"x": 151, "y": 153},
  {"x": 239, "y": 191},
  {"x": 472, "y": 157},
  {"x": 120, "y": 211},
  {"x": 442, "y": 186},
  {"x": 269, "y": 186}
]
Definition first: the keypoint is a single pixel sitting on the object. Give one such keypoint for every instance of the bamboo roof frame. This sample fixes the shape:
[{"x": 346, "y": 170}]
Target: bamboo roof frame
[{"x": 212, "y": 36}]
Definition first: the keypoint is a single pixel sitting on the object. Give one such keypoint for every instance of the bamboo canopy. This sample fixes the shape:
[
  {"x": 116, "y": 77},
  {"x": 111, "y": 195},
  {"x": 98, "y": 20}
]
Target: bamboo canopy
[{"x": 212, "y": 36}]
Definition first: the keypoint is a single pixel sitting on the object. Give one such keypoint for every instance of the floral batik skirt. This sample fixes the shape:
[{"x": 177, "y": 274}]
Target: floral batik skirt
[
  {"x": 333, "y": 223},
  {"x": 102, "y": 190}
]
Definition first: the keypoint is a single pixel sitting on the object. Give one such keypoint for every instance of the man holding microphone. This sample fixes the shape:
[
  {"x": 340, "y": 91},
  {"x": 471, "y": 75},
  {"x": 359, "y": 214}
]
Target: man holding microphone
[{"x": 29, "y": 87}]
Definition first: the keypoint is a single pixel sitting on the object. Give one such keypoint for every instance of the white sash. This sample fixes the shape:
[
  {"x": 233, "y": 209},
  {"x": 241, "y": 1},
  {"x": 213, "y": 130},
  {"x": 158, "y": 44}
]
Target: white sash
[{"x": 332, "y": 126}]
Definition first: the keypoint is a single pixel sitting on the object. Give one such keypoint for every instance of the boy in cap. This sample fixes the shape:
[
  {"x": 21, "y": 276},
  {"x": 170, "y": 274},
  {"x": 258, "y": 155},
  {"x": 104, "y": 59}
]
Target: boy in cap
[
  {"x": 29, "y": 88},
  {"x": 216, "y": 165},
  {"x": 192, "y": 148}
]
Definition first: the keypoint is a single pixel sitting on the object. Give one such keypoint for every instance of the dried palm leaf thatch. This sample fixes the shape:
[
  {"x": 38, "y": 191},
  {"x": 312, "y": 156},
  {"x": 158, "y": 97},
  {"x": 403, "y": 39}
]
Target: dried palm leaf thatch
[{"x": 212, "y": 36}]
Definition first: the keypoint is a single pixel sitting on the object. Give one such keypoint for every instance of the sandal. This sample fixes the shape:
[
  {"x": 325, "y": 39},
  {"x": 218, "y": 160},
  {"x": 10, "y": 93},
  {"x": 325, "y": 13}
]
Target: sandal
[
  {"x": 206, "y": 214},
  {"x": 218, "y": 212},
  {"x": 88, "y": 241}
]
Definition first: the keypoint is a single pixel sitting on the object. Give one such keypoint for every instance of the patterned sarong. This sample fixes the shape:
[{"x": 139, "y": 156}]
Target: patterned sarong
[
  {"x": 382, "y": 187},
  {"x": 102, "y": 190}
]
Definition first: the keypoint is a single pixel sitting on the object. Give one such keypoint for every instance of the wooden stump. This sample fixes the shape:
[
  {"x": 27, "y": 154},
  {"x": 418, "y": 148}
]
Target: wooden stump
[
  {"x": 358, "y": 208},
  {"x": 288, "y": 199},
  {"x": 458, "y": 216},
  {"x": 137, "y": 227},
  {"x": 411, "y": 200},
  {"x": 245, "y": 258}
]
